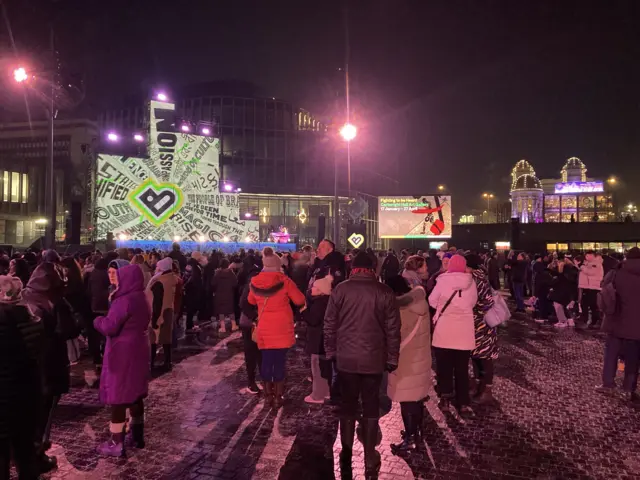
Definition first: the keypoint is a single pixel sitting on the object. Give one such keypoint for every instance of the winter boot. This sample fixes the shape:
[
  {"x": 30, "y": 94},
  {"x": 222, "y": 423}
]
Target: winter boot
[
  {"x": 484, "y": 396},
  {"x": 409, "y": 436},
  {"x": 135, "y": 435},
  {"x": 114, "y": 447},
  {"x": 347, "y": 432},
  {"x": 278, "y": 396},
  {"x": 371, "y": 456}
]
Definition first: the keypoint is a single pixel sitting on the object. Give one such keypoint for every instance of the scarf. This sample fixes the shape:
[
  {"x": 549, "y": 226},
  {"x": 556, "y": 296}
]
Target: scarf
[{"x": 412, "y": 278}]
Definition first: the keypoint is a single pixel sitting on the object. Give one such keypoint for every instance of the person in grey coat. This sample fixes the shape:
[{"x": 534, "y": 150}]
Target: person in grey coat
[{"x": 224, "y": 285}]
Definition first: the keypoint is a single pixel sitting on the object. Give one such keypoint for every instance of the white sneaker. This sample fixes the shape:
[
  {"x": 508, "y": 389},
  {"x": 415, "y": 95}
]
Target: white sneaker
[
  {"x": 310, "y": 399},
  {"x": 571, "y": 323},
  {"x": 560, "y": 325}
]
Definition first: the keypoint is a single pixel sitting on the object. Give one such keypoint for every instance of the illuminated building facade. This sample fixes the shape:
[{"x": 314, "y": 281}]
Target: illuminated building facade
[{"x": 571, "y": 198}]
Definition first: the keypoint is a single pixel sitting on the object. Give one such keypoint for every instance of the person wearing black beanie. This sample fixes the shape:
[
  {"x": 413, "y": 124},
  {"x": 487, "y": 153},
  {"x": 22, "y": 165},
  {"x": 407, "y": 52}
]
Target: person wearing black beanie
[{"x": 362, "y": 334}]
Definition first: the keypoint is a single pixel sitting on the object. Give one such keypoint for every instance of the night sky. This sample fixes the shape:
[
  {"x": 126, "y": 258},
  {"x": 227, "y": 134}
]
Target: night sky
[{"x": 443, "y": 92}]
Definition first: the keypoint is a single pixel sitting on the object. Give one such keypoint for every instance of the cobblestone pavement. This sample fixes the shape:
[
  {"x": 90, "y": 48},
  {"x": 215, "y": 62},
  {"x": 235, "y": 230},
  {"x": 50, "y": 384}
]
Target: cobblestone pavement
[{"x": 201, "y": 425}]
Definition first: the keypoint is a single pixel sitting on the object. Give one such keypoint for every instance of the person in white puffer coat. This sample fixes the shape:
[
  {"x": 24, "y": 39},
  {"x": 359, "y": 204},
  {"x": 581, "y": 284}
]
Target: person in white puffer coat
[
  {"x": 454, "y": 297},
  {"x": 590, "y": 283}
]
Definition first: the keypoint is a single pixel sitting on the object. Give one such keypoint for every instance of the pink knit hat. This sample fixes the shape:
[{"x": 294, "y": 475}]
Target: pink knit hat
[{"x": 457, "y": 264}]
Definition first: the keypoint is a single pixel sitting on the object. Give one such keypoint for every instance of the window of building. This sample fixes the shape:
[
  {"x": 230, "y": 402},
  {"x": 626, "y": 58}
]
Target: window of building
[
  {"x": 616, "y": 246},
  {"x": 552, "y": 217},
  {"x": 552, "y": 247},
  {"x": 552, "y": 202},
  {"x": 566, "y": 217},
  {"x": 603, "y": 202},
  {"x": 587, "y": 202},
  {"x": 576, "y": 246},
  {"x": 5, "y": 186},
  {"x": 563, "y": 247},
  {"x": 25, "y": 188},
  {"x": 569, "y": 202},
  {"x": 589, "y": 245},
  {"x": 587, "y": 217},
  {"x": 19, "y": 231}
]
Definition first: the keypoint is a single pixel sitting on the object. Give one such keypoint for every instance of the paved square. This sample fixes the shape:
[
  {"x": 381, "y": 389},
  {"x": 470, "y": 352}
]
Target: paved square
[{"x": 550, "y": 424}]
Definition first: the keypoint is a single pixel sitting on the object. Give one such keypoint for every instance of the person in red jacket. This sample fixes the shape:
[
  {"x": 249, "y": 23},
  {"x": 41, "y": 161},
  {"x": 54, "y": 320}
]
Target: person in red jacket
[{"x": 272, "y": 292}]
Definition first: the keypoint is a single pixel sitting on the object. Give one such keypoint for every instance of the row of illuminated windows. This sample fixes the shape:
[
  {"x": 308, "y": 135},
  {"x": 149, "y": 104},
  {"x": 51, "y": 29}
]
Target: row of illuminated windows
[
  {"x": 555, "y": 202},
  {"x": 582, "y": 217},
  {"x": 586, "y": 246},
  {"x": 15, "y": 187}
]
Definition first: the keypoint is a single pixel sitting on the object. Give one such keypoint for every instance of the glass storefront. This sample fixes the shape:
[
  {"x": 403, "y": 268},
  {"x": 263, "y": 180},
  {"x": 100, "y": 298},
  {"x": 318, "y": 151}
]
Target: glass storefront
[{"x": 583, "y": 207}]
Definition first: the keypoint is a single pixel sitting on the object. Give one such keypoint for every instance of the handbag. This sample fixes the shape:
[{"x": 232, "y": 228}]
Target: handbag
[
  {"x": 499, "y": 312},
  {"x": 254, "y": 328},
  {"x": 439, "y": 314}
]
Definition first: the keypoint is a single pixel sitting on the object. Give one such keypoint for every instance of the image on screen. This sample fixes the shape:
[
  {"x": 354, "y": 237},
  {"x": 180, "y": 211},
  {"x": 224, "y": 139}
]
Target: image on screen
[
  {"x": 424, "y": 216},
  {"x": 172, "y": 193}
]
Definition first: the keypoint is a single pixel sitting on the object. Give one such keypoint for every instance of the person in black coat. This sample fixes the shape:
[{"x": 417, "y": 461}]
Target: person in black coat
[
  {"x": 21, "y": 345},
  {"x": 623, "y": 328},
  {"x": 518, "y": 278},
  {"x": 493, "y": 271},
  {"x": 362, "y": 332},
  {"x": 327, "y": 263},
  {"x": 248, "y": 317},
  {"x": 390, "y": 266},
  {"x": 193, "y": 291}
]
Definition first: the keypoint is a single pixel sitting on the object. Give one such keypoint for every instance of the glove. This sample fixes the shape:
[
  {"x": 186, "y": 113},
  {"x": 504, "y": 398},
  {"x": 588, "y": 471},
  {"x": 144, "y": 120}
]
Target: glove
[{"x": 390, "y": 367}]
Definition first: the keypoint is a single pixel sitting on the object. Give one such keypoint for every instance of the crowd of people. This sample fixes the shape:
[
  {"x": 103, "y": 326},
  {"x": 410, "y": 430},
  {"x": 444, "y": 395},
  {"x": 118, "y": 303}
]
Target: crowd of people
[{"x": 370, "y": 319}]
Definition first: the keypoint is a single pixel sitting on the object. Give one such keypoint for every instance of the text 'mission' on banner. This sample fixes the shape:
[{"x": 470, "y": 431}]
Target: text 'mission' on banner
[
  {"x": 172, "y": 193},
  {"x": 424, "y": 216}
]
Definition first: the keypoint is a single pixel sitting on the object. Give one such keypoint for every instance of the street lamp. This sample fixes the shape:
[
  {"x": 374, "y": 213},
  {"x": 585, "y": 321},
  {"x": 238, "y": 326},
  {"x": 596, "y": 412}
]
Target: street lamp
[
  {"x": 20, "y": 75},
  {"x": 612, "y": 180},
  {"x": 441, "y": 188},
  {"x": 348, "y": 132},
  {"x": 489, "y": 197}
]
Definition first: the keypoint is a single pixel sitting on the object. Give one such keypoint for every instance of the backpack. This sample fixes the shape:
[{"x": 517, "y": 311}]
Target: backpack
[
  {"x": 499, "y": 312},
  {"x": 608, "y": 297}
]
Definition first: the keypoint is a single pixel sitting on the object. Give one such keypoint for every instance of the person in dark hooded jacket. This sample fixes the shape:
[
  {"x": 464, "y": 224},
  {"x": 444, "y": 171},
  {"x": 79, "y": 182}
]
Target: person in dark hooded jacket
[
  {"x": 623, "y": 328},
  {"x": 248, "y": 318},
  {"x": 193, "y": 291},
  {"x": 21, "y": 337},
  {"x": 44, "y": 295}
]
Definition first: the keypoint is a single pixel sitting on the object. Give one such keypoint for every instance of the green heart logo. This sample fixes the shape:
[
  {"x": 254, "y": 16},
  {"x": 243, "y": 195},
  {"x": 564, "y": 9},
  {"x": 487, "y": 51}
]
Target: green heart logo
[
  {"x": 157, "y": 201},
  {"x": 356, "y": 239}
]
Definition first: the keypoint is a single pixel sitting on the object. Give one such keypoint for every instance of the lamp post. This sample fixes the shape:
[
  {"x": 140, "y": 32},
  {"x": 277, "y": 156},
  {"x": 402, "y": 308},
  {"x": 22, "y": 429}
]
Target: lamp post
[
  {"x": 348, "y": 132},
  {"x": 22, "y": 76},
  {"x": 441, "y": 188}
]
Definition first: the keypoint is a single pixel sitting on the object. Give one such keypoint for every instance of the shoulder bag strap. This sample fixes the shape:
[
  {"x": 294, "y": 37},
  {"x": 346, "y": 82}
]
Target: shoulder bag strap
[{"x": 446, "y": 305}]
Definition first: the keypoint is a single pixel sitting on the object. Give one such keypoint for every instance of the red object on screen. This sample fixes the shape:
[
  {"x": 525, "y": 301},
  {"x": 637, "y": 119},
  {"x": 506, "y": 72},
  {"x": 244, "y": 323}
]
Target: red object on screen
[{"x": 437, "y": 227}]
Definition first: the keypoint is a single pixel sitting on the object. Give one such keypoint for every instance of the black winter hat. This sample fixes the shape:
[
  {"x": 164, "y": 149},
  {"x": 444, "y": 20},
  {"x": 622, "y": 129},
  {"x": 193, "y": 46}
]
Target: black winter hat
[{"x": 362, "y": 260}]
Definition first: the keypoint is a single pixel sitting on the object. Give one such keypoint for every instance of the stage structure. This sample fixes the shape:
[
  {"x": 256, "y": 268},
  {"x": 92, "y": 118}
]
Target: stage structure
[{"x": 172, "y": 194}]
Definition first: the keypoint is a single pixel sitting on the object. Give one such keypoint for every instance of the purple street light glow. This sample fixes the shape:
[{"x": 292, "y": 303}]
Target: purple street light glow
[
  {"x": 112, "y": 137},
  {"x": 247, "y": 215},
  {"x": 185, "y": 128},
  {"x": 228, "y": 187},
  {"x": 162, "y": 97},
  {"x": 138, "y": 137},
  {"x": 20, "y": 75},
  {"x": 206, "y": 131}
]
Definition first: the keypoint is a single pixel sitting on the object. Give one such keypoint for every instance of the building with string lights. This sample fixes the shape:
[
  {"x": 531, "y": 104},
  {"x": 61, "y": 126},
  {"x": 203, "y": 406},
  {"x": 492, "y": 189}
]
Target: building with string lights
[{"x": 573, "y": 197}]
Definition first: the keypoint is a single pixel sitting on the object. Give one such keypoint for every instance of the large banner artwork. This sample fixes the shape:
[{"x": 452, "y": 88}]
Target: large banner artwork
[
  {"x": 424, "y": 216},
  {"x": 173, "y": 193}
]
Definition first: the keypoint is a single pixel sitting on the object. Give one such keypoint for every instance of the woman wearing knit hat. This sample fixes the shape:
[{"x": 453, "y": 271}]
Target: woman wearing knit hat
[
  {"x": 272, "y": 292},
  {"x": 454, "y": 297},
  {"x": 161, "y": 293}
]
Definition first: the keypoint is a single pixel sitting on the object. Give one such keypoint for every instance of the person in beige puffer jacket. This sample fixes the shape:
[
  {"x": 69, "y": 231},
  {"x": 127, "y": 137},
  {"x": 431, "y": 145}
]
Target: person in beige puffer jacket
[
  {"x": 590, "y": 283},
  {"x": 411, "y": 384}
]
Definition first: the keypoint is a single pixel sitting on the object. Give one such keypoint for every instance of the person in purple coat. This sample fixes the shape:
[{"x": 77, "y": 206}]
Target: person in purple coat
[{"x": 124, "y": 381}]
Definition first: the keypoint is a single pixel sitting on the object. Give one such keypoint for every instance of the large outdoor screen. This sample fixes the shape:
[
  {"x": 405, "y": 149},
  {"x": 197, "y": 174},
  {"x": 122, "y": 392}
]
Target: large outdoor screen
[
  {"x": 173, "y": 193},
  {"x": 425, "y": 216}
]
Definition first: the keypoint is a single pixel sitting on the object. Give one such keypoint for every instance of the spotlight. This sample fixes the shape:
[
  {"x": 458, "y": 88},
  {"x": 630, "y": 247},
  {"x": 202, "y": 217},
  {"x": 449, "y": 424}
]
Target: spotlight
[
  {"x": 113, "y": 137},
  {"x": 122, "y": 236},
  {"x": 247, "y": 215},
  {"x": 185, "y": 127},
  {"x": 225, "y": 239},
  {"x": 248, "y": 239},
  {"x": 162, "y": 97},
  {"x": 150, "y": 237},
  {"x": 201, "y": 238},
  {"x": 228, "y": 187},
  {"x": 138, "y": 137},
  {"x": 238, "y": 190},
  {"x": 20, "y": 75},
  {"x": 176, "y": 238},
  {"x": 206, "y": 131}
]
